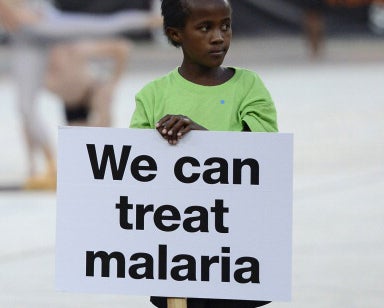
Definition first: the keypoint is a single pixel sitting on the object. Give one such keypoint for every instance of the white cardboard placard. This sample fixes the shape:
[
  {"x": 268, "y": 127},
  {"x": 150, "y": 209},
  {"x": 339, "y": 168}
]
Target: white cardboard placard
[{"x": 142, "y": 230}]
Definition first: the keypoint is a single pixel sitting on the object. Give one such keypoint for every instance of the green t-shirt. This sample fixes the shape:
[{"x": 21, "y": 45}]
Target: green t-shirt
[{"x": 225, "y": 107}]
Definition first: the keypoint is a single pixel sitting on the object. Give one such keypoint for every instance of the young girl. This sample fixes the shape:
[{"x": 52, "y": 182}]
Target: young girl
[{"x": 201, "y": 94}]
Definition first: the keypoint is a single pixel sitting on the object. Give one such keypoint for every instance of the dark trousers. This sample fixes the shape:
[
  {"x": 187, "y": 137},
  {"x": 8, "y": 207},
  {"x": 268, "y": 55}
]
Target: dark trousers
[{"x": 161, "y": 302}]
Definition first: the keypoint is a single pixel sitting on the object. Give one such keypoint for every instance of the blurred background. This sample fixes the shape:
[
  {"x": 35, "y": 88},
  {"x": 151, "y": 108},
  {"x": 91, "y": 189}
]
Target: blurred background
[{"x": 323, "y": 62}]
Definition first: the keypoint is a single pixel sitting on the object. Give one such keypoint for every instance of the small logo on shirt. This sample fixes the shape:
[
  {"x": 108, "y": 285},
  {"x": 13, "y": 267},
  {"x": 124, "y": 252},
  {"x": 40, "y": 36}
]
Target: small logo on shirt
[{"x": 222, "y": 102}]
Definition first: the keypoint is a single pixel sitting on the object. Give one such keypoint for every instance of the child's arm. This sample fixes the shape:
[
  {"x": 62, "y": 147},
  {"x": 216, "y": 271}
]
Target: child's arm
[
  {"x": 174, "y": 127},
  {"x": 257, "y": 110}
]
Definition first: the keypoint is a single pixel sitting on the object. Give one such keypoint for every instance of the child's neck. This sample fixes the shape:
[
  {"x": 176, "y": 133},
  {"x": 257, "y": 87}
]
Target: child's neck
[{"x": 206, "y": 76}]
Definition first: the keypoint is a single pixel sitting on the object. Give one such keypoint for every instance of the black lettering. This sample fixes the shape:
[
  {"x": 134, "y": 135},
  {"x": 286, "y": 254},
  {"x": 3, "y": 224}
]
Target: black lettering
[
  {"x": 108, "y": 155},
  {"x": 146, "y": 267},
  {"x": 206, "y": 263},
  {"x": 124, "y": 207},
  {"x": 219, "y": 211},
  {"x": 189, "y": 267},
  {"x": 225, "y": 265},
  {"x": 141, "y": 210},
  {"x": 163, "y": 262},
  {"x": 238, "y": 165},
  {"x": 253, "y": 270},
  {"x": 105, "y": 259},
  {"x": 202, "y": 219},
  {"x": 150, "y": 165},
  {"x": 160, "y": 217},
  {"x": 178, "y": 170},
  {"x": 222, "y": 171}
]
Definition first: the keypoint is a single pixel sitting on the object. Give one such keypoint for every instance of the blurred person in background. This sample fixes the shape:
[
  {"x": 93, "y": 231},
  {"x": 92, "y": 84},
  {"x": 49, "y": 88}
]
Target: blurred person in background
[
  {"x": 375, "y": 11},
  {"x": 87, "y": 93},
  {"x": 314, "y": 25},
  {"x": 348, "y": 3},
  {"x": 34, "y": 27},
  {"x": 314, "y": 18},
  {"x": 376, "y": 17},
  {"x": 84, "y": 76}
]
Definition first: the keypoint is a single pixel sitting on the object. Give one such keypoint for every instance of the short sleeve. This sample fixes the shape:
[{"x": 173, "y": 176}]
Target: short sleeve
[
  {"x": 140, "y": 117},
  {"x": 258, "y": 110}
]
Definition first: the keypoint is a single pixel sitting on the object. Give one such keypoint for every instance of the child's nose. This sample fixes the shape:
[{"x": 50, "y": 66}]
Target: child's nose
[{"x": 217, "y": 36}]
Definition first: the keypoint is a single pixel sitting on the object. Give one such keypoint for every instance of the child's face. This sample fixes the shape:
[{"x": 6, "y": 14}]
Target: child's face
[{"x": 207, "y": 34}]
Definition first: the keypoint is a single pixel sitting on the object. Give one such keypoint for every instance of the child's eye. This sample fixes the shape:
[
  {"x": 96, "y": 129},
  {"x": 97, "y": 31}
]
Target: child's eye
[
  {"x": 204, "y": 28},
  {"x": 225, "y": 27}
]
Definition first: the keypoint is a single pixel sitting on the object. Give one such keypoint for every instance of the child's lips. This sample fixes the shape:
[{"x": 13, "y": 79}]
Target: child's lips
[{"x": 217, "y": 52}]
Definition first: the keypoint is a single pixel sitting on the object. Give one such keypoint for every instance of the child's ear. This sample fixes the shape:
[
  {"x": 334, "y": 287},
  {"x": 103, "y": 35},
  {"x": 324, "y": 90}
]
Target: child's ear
[{"x": 173, "y": 34}]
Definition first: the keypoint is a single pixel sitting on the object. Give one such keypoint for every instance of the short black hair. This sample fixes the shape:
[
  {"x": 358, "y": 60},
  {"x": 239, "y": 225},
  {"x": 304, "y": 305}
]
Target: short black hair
[{"x": 175, "y": 13}]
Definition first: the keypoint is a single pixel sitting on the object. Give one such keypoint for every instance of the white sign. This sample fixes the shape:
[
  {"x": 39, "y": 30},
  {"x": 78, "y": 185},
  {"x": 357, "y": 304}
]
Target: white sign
[{"x": 210, "y": 217}]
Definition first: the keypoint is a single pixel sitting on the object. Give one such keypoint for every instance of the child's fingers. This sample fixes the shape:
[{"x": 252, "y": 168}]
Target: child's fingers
[
  {"x": 163, "y": 121},
  {"x": 167, "y": 123},
  {"x": 184, "y": 131},
  {"x": 179, "y": 123},
  {"x": 173, "y": 127}
]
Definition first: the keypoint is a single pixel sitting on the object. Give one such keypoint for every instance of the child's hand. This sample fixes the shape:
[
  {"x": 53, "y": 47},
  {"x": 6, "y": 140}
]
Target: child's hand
[{"x": 174, "y": 127}]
